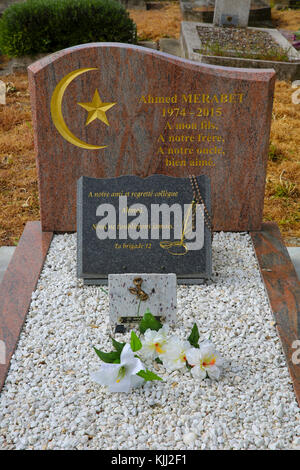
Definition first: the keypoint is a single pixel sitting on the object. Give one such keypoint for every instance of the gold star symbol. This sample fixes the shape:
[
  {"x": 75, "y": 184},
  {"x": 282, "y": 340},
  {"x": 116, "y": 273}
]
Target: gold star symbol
[{"x": 96, "y": 109}]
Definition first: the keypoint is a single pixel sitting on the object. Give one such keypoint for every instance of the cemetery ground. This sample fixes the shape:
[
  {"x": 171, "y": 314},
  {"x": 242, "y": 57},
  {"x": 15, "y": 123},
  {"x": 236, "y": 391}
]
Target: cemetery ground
[{"x": 18, "y": 178}]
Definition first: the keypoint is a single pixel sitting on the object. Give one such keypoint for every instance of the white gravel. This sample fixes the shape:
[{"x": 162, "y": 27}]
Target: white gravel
[{"x": 49, "y": 401}]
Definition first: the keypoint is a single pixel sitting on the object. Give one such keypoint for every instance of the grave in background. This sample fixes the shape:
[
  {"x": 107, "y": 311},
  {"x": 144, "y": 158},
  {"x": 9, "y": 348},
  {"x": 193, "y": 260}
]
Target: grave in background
[
  {"x": 203, "y": 11},
  {"x": 231, "y": 13},
  {"x": 228, "y": 46}
]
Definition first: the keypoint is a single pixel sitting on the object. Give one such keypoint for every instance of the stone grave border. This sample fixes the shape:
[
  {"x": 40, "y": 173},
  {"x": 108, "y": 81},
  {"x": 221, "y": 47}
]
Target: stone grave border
[
  {"x": 190, "y": 41},
  {"x": 276, "y": 268}
]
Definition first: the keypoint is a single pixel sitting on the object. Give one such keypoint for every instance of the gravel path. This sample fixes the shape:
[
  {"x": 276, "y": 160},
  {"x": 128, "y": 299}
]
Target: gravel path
[{"x": 49, "y": 402}]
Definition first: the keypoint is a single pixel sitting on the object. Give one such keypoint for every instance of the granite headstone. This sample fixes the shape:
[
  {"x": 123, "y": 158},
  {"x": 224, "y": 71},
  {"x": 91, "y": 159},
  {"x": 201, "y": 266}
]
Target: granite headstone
[
  {"x": 142, "y": 225},
  {"x": 232, "y": 12},
  {"x": 105, "y": 110}
]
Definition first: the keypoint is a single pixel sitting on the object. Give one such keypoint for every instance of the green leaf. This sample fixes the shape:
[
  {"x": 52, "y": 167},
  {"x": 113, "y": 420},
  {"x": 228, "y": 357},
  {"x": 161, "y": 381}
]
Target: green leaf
[
  {"x": 118, "y": 346},
  {"x": 148, "y": 375},
  {"x": 112, "y": 357},
  {"x": 135, "y": 342},
  {"x": 194, "y": 337},
  {"x": 149, "y": 322}
]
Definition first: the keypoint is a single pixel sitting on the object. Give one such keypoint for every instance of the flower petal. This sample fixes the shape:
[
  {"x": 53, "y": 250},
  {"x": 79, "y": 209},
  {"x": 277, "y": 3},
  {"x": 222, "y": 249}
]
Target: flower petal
[
  {"x": 106, "y": 374},
  {"x": 207, "y": 349},
  {"x": 151, "y": 336},
  {"x": 198, "y": 373},
  {"x": 213, "y": 372},
  {"x": 154, "y": 341},
  {"x": 193, "y": 356},
  {"x": 123, "y": 386},
  {"x": 127, "y": 355},
  {"x": 135, "y": 366},
  {"x": 148, "y": 351}
]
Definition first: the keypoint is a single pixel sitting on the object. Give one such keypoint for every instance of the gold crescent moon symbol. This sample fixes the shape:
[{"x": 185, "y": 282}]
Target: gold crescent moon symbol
[{"x": 56, "y": 112}]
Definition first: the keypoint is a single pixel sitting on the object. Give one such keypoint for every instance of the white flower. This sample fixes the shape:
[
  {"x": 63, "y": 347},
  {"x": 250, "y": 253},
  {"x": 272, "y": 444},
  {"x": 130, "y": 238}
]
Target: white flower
[
  {"x": 205, "y": 361},
  {"x": 175, "y": 355},
  {"x": 154, "y": 342},
  {"x": 120, "y": 377}
]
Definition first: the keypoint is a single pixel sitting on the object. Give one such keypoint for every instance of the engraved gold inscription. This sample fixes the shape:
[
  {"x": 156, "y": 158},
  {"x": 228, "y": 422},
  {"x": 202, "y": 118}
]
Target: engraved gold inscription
[
  {"x": 190, "y": 136},
  {"x": 96, "y": 109}
]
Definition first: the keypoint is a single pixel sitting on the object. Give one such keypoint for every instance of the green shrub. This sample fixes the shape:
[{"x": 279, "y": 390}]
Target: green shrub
[{"x": 38, "y": 26}]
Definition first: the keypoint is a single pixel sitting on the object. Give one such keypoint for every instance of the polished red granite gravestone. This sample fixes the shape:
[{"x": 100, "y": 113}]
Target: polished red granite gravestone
[{"x": 104, "y": 110}]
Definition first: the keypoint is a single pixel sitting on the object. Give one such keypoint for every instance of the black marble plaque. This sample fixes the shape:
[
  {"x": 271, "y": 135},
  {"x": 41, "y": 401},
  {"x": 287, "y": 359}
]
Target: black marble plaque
[{"x": 150, "y": 225}]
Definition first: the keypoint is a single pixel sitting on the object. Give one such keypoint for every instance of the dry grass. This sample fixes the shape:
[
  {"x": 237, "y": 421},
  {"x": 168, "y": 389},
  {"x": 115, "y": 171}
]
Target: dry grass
[
  {"x": 156, "y": 24},
  {"x": 283, "y": 178},
  {"x": 288, "y": 19},
  {"x": 18, "y": 179}
]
